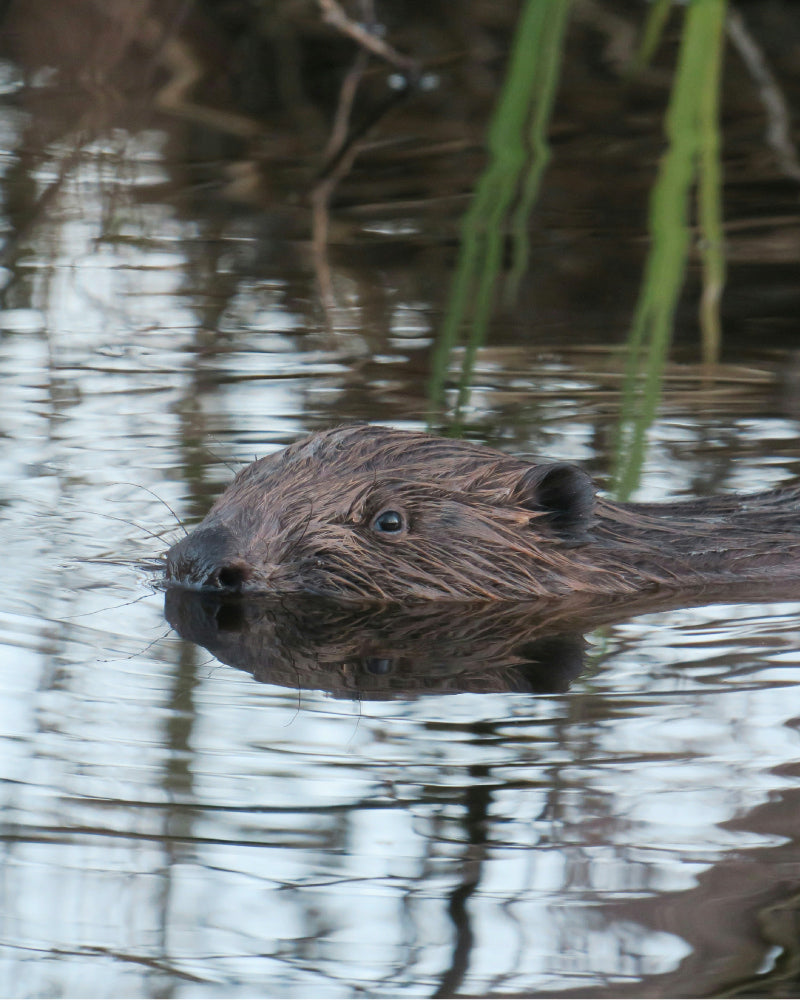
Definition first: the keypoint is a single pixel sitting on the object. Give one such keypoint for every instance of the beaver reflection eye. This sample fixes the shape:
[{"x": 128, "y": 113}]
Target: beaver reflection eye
[
  {"x": 388, "y": 521},
  {"x": 378, "y": 665}
]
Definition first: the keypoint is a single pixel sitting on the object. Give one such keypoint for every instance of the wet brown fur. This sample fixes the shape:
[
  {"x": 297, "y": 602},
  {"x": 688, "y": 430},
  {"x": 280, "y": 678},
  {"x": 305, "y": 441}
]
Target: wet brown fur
[{"x": 479, "y": 525}]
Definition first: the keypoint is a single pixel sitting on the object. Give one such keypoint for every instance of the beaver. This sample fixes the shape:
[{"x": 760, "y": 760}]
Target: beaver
[{"x": 374, "y": 514}]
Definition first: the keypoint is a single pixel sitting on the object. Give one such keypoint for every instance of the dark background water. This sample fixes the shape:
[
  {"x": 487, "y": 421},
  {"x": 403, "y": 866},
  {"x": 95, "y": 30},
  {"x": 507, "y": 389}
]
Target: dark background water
[{"x": 178, "y": 297}]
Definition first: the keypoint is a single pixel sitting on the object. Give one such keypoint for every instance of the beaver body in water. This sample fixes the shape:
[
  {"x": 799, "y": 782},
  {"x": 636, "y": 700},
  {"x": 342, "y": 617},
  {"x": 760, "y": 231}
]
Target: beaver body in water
[{"x": 373, "y": 514}]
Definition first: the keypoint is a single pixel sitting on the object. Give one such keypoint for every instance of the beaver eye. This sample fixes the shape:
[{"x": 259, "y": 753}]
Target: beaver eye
[{"x": 388, "y": 521}]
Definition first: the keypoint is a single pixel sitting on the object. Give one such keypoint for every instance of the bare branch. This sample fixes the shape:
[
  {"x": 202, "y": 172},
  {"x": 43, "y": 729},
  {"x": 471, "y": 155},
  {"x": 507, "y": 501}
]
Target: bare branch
[
  {"x": 778, "y": 118},
  {"x": 334, "y": 15}
]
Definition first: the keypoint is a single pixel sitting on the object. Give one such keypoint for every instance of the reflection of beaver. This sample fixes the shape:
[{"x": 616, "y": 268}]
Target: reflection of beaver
[
  {"x": 386, "y": 651},
  {"x": 374, "y": 514}
]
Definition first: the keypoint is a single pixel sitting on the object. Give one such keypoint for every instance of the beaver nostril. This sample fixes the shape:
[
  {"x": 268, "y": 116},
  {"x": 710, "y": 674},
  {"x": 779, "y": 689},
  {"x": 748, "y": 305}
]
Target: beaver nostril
[{"x": 231, "y": 577}]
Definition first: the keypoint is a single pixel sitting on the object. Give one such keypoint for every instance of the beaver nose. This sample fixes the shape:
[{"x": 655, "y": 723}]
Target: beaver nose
[
  {"x": 209, "y": 557},
  {"x": 232, "y": 576}
]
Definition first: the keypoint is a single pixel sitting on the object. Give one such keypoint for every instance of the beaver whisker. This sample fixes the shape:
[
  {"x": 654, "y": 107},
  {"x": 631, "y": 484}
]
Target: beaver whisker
[{"x": 161, "y": 500}]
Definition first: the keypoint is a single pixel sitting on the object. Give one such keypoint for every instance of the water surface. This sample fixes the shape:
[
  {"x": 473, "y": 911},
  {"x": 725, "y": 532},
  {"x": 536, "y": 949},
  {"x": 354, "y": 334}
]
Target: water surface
[{"x": 171, "y": 825}]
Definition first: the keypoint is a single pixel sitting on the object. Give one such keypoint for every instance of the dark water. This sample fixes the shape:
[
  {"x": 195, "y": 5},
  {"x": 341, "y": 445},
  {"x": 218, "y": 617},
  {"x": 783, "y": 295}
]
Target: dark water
[{"x": 172, "y": 826}]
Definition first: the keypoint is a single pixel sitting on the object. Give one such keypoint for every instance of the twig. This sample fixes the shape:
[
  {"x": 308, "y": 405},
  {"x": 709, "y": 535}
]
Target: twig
[
  {"x": 334, "y": 15},
  {"x": 778, "y": 132},
  {"x": 347, "y": 96}
]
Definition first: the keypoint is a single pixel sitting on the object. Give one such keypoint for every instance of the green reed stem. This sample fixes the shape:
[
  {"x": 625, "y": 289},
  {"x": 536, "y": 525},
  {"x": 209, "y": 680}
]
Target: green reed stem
[
  {"x": 548, "y": 66},
  {"x": 651, "y": 331},
  {"x": 527, "y": 96},
  {"x": 653, "y": 29}
]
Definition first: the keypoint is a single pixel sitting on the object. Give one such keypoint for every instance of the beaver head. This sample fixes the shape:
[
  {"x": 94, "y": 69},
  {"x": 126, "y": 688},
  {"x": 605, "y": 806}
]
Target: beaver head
[{"x": 376, "y": 514}]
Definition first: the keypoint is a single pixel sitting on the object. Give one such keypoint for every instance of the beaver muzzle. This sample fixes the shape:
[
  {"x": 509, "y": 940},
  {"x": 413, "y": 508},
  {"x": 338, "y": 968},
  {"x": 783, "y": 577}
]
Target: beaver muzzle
[{"x": 211, "y": 559}]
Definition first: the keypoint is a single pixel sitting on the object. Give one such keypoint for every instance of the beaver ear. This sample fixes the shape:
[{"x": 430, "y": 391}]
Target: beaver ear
[{"x": 563, "y": 492}]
